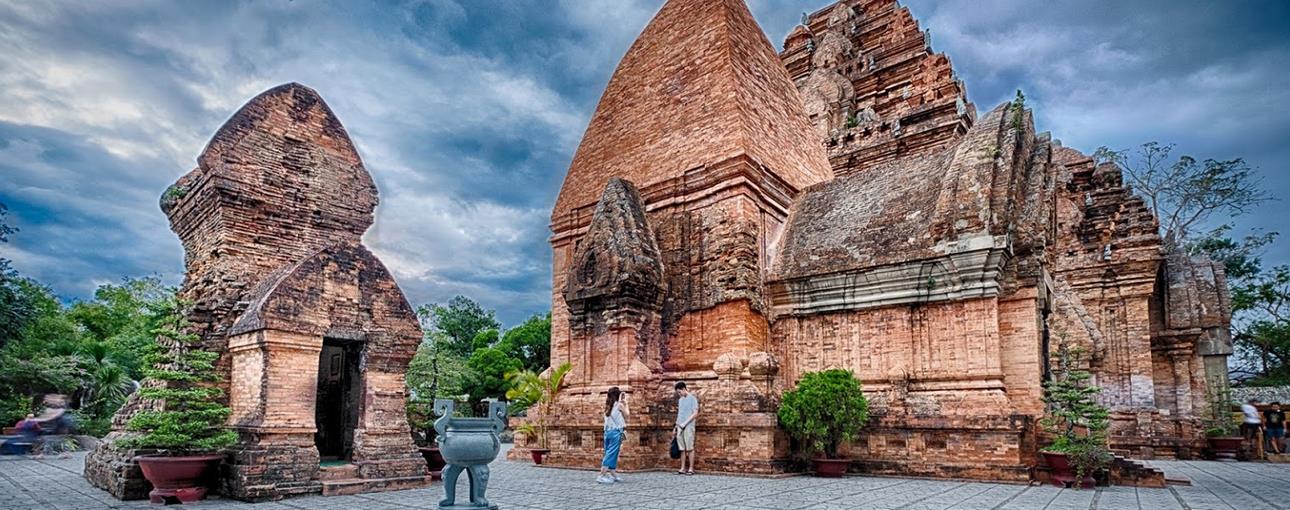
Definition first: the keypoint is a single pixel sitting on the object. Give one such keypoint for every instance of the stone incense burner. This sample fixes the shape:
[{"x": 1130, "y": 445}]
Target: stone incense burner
[{"x": 468, "y": 444}]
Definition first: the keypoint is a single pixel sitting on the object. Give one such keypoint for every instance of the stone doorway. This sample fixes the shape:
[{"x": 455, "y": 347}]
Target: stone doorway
[{"x": 336, "y": 407}]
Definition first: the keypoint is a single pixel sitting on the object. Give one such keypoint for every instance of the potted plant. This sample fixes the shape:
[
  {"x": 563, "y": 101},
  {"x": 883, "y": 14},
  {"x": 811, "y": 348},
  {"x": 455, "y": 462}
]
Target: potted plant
[
  {"x": 824, "y": 410},
  {"x": 1078, "y": 422},
  {"x": 1221, "y": 431},
  {"x": 528, "y": 389},
  {"x": 186, "y": 425}
]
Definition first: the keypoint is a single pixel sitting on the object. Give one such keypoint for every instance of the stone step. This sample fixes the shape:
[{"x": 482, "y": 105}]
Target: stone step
[
  {"x": 1134, "y": 473},
  {"x": 350, "y": 486},
  {"x": 338, "y": 472},
  {"x": 1177, "y": 480}
]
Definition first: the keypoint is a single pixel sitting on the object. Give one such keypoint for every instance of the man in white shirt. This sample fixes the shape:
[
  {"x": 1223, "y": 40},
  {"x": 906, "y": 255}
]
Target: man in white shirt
[
  {"x": 1252, "y": 420},
  {"x": 687, "y": 410}
]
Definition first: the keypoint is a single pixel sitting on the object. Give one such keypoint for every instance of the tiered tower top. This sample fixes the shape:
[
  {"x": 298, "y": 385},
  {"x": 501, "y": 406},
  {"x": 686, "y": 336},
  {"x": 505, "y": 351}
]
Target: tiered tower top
[{"x": 701, "y": 85}]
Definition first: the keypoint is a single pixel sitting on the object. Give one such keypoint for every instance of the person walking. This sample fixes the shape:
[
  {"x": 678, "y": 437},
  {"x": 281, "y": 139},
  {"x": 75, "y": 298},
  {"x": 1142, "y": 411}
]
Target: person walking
[
  {"x": 1274, "y": 421},
  {"x": 687, "y": 410},
  {"x": 1251, "y": 420},
  {"x": 616, "y": 413}
]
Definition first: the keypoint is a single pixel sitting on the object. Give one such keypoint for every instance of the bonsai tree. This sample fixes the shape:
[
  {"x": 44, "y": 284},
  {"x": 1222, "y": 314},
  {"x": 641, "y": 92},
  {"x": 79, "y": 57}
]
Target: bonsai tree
[
  {"x": 824, "y": 410},
  {"x": 529, "y": 388},
  {"x": 1218, "y": 420},
  {"x": 1074, "y": 416},
  {"x": 188, "y": 417}
]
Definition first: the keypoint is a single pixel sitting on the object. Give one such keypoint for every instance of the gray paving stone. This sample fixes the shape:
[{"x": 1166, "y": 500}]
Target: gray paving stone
[{"x": 56, "y": 484}]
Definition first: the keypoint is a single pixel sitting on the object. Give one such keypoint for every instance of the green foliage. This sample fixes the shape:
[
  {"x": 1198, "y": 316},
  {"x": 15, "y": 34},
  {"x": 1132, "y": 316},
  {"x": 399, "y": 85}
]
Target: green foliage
[
  {"x": 824, "y": 410},
  {"x": 461, "y": 320},
  {"x": 528, "y": 388},
  {"x": 852, "y": 121},
  {"x": 15, "y": 311},
  {"x": 487, "y": 374},
  {"x": 1260, "y": 306},
  {"x": 14, "y": 407},
  {"x": 530, "y": 342},
  {"x": 484, "y": 339},
  {"x": 180, "y": 376},
  {"x": 1073, "y": 414},
  {"x": 433, "y": 373},
  {"x": 1218, "y": 421},
  {"x": 1018, "y": 108},
  {"x": 1262, "y": 332}
]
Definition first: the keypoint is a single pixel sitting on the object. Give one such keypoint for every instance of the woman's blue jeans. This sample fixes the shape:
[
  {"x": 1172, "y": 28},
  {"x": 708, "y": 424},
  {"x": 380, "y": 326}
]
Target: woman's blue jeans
[{"x": 613, "y": 442}]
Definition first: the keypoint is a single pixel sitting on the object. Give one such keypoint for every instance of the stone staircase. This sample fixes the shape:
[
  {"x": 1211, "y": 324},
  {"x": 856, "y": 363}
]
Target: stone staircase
[
  {"x": 1135, "y": 473},
  {"x": 1123, "y": 472},
  {"x": 344, "y": 480}
]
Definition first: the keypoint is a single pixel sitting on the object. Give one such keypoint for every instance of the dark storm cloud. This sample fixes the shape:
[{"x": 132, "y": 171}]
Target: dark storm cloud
[{"x": 468, "y": 112}]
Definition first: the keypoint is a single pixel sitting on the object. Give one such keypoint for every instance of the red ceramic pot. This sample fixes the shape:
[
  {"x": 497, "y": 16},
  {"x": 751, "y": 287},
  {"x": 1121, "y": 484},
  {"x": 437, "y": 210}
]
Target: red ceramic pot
[
  {"x": 182, "y": 479},
  {"x": 831, "y": 468},
  {"x": 1064, "y": 473},
  {"x": 538, "y": 453},
  {"x": 1226, "y": 448},
  {"x": 434, "y": 461}
]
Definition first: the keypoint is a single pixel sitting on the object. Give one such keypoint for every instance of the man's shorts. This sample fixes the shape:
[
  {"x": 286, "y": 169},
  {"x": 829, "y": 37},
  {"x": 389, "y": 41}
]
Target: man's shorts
[
  {"x": 1277, "y": 432},
  {"x": 685, "y": 438}
]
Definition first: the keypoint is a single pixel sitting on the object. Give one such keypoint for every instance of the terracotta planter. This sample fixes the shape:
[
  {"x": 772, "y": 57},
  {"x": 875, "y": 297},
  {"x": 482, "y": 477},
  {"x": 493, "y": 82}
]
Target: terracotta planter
[
  {"x": 831, "y": 468},
  {"x": 1226, "y": 448},
  {"x": 182, "y": 479},
  {"x": 1064, "y": 472},
  {"x": 434, "y": 461},
  {"x": 537, "y": 454}
]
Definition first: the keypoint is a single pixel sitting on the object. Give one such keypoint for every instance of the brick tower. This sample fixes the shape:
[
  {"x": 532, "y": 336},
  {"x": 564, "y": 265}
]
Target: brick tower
[
  {"x": 662, "y": 232},
  {"x": 314, "y": 334}
]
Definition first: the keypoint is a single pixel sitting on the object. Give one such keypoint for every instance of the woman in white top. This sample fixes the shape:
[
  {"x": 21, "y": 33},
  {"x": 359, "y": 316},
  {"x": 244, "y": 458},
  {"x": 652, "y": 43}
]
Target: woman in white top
[{"x": 615, "y": 421}]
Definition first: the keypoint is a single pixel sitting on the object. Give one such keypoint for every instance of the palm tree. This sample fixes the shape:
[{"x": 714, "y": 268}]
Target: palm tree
[
  {"x": 529, "y": 388},
  {"x": 108, "y": 384}
]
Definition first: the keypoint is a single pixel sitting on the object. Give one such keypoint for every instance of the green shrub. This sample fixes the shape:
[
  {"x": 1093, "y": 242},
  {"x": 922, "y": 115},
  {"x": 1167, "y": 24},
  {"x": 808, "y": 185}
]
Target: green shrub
[
  {"x": 180, "y": 377},
  {"x": 824, "y": 410},
  {"x": 14, "y": 408}
]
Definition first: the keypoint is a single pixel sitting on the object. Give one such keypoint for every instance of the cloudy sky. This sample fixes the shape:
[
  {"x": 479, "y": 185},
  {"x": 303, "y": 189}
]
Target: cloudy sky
[{"x": 467, "y": 112}]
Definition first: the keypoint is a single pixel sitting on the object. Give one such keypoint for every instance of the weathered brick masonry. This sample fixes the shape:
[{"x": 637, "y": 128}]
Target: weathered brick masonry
[
  {"x": 271, "y": 222},
  {"x": 940, "y": 263}
]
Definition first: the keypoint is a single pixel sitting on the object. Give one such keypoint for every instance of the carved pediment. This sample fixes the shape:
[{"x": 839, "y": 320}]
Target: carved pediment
[{"x": 618, "y": 259}]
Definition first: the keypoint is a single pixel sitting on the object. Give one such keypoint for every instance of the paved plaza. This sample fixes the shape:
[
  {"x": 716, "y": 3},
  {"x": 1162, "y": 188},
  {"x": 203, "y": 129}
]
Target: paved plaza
[{"x": 56, "y": 484}]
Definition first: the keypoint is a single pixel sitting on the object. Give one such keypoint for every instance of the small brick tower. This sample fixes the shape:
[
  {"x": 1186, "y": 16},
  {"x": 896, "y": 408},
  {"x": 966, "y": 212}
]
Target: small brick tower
[{"x": 314, "y": 333}]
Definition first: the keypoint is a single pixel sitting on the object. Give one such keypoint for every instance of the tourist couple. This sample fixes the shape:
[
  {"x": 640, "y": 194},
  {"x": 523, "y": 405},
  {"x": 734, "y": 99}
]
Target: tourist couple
[{"x": 616, "y": 412}]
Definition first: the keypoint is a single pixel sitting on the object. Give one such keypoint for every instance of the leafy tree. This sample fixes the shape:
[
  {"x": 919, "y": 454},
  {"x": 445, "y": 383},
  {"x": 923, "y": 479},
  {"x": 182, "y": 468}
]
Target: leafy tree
[
  {"x": 485, "y": 338},
  {"x": 180, "y": 377},
  {"x": 824, "y": 410},
  {"x": 1260, "y": 306},
  {"x": 433, "y": 373},
  {"x": 460, "y": 320},
  {"x": 1185, "y": 193},
  {"x": 122, "y": 317},
  {"x": 1262, "y": 331},
  {"x": 530, "y": 342},
  {"x": 487, "y": 375},
  {"x": 1073, "y": 414},
  {"x": 15, "y": 312}
]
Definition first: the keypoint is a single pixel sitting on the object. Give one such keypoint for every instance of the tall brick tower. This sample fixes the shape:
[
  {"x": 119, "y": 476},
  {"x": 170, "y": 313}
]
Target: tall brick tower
[{"x": 662, "y": 232}]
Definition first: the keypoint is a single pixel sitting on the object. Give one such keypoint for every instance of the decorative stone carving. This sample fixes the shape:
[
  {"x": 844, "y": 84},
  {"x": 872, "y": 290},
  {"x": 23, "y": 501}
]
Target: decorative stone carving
[{"x": 617, "y": 266}]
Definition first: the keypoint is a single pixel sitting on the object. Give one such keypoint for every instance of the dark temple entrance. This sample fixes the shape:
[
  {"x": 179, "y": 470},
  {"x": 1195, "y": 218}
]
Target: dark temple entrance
[{"x": 339, "y": 387}]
